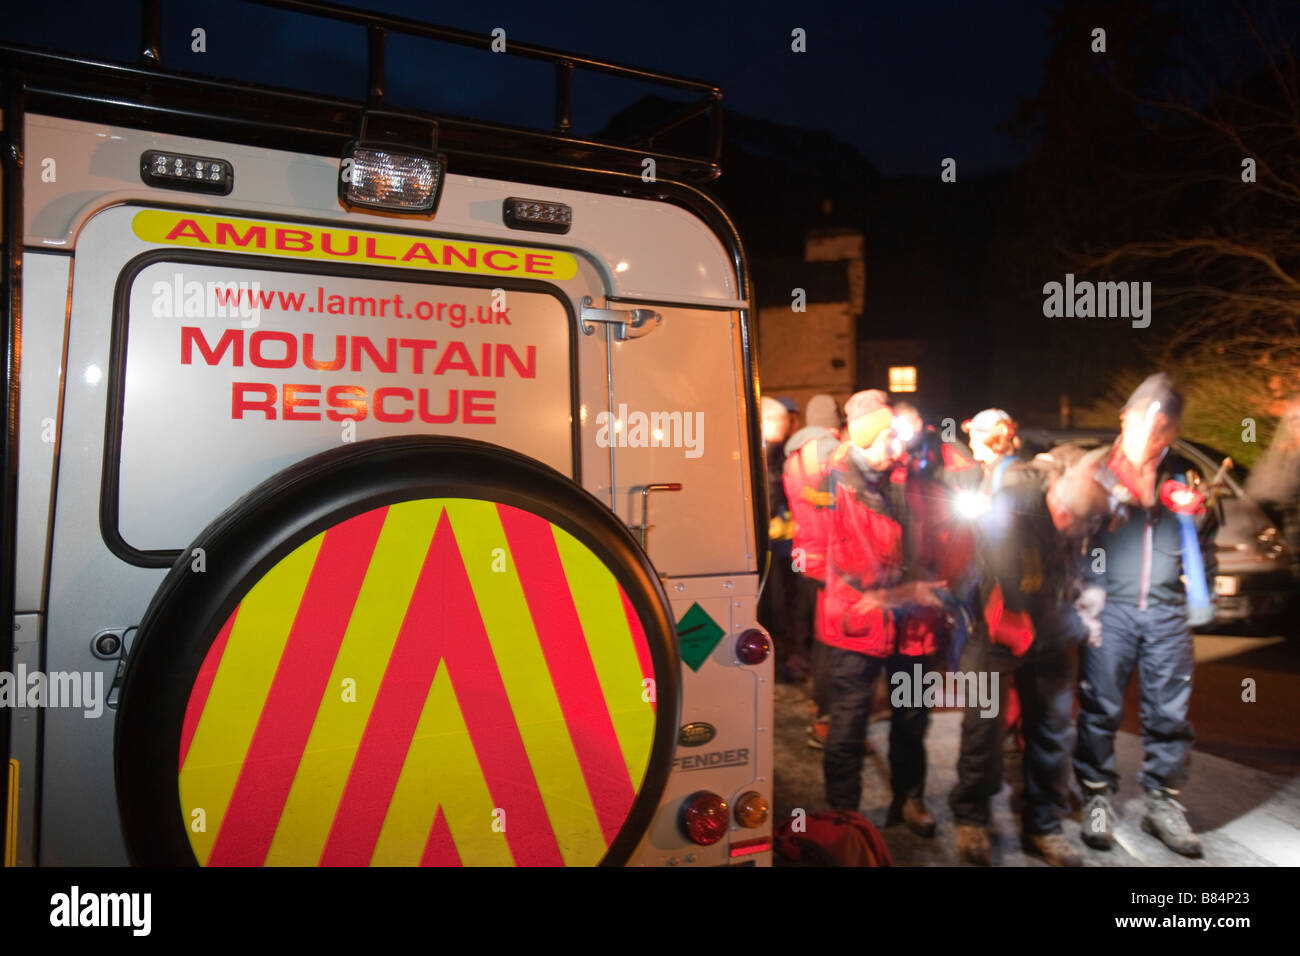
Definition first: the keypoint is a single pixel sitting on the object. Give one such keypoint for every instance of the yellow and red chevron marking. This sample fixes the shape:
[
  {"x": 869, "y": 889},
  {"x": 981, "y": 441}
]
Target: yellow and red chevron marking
[{"x": 438, "y": 682}]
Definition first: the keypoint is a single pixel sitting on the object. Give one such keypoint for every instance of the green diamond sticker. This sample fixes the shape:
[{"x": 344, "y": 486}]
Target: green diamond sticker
[{"x": 697, "y": 635}]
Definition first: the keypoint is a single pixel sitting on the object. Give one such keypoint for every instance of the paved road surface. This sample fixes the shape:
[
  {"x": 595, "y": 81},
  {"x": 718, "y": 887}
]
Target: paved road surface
[{"x": 1243, "y": 798}]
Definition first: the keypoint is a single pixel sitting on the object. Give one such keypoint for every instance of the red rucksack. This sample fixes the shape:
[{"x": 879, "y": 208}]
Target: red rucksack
[{"x": 832, "y": 838}]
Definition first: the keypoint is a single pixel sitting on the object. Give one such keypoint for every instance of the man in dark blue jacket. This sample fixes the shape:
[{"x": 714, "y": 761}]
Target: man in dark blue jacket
[
  {"x": 1161, "y": 535},
  {"x": 1025, "y": 624}
]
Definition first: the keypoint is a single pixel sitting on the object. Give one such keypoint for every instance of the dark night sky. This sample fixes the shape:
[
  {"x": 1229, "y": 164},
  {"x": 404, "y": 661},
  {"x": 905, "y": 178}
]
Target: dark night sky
[{"x": 905, "y": 83}]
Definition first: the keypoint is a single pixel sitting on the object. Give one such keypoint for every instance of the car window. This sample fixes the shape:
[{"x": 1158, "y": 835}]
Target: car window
[{"x": 1238, "y": 473}]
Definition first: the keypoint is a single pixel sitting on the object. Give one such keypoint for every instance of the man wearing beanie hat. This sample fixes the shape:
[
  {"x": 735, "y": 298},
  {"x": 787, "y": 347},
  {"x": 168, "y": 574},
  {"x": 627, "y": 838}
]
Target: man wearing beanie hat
[
  {"x": 879, "y": 609},
  {"x": 1158, "y": 555},
  {"x": 807, "y": 488}
]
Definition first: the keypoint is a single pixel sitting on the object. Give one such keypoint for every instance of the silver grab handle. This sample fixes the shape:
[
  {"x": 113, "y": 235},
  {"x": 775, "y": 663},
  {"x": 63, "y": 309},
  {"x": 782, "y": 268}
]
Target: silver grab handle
[{"x": 644, "y": 527}]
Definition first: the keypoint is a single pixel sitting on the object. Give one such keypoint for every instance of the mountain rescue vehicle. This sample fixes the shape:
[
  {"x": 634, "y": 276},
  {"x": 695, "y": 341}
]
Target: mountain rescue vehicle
[{"x": 381, "y": 487}]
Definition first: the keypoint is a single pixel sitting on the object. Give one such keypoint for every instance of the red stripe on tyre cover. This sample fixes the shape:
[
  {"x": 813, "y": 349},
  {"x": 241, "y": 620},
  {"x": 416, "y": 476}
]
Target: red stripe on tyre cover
[
  {"x": 491, "y": 722},
  {"x": 402, "y": 693},
  {"x": 443, "y": 605},
  {"x": 641, "y": 644},
  {"x": 203, "y": 686},
  {"x": 440, "y": 849},
  {"x": 296, "y": 692},
  {"x": 532, "y": 543}
]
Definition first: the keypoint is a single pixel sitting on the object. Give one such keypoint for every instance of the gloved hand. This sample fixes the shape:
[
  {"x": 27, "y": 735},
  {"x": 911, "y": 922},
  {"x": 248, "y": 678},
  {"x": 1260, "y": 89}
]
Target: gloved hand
[
  {"x": 1089, "y": 604},
  {"x": 1198, "y": 615}
]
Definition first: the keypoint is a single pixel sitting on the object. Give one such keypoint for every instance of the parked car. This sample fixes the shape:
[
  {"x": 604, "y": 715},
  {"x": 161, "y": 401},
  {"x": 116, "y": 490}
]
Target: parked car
[{"x": 1254, "y": 581}]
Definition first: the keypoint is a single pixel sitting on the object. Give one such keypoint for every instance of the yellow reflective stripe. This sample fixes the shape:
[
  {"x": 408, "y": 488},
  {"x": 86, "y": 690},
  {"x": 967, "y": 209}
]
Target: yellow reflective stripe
[
  {"x": 239, "y": 692},
  {"x": 809, "y": 455},
  {"x": 363, "y": 657},
  {"x": 600, "y": 609},
  {"x": 532, "y": 695},
  {"x": 441, "y": 769}
]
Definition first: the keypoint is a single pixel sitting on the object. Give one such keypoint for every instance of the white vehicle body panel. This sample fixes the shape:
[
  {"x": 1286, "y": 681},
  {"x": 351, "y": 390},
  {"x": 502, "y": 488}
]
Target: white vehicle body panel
[{"x": 183, "y": 462}]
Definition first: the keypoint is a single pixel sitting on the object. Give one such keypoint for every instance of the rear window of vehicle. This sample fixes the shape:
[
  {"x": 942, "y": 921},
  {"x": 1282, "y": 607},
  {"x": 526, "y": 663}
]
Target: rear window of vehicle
[{"x": 228, "y": 374}]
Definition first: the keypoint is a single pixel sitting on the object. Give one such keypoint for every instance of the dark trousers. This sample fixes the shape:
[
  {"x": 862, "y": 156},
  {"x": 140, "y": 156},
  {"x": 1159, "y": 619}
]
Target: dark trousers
[
  {"x": 1158, "y": 642},
  {"x": 812, "y": 593},
  {"x": 803, "y": 616},
  {"x": 821, "y": 678},
  {"x": 776, "y": 604},
  {"x": 1042, "y": 679},
  {"x": 852, "y": 678}
]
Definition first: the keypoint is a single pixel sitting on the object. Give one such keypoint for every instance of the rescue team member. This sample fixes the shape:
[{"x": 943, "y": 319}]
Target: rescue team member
[
  {"x": 807, "y": 489},
  {"x": 793, "y": 422},
  {"x": 922, "y": 445},
  {"x": 872, "y": 612},
  {"x": 994, "y": 442},
  {"x": 1025, "y": 624},
  {"x": 941, "y": 542},
  {"x": 1150, "y": 544},
  {"x": 777, "y": 600}
]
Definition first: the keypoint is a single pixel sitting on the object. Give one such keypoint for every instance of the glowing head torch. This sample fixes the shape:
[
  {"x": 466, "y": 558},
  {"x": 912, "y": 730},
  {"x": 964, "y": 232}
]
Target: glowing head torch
[
  {"x": 972, "y": 504},
  {"x": 903, "y": 429}
]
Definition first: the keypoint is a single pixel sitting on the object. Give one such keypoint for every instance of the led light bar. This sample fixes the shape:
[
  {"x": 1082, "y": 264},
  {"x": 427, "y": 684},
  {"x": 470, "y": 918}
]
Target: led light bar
[
  {"x": 203, "y": 174},
  {"x": 394, "y": 180},
  {"x": 536, "y": 215}
]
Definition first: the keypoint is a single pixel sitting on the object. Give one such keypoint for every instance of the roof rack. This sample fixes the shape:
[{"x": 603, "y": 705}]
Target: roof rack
[{"x": 189, "y": 100}]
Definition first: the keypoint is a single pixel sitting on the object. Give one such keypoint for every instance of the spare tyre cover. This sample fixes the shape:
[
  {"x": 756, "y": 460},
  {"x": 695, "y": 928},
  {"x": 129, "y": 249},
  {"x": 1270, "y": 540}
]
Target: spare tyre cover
[{"x": 414, "y": 650}]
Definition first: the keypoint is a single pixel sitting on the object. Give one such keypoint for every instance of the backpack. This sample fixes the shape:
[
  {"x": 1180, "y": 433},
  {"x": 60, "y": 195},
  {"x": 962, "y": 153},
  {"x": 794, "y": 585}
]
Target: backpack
[{"x": 833, "y": 838}]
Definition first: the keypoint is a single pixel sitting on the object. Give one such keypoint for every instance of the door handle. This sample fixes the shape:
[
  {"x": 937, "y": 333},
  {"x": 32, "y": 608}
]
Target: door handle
[
  {"x": 629, "y": 323},
  {"x": 644, "y": 527}
]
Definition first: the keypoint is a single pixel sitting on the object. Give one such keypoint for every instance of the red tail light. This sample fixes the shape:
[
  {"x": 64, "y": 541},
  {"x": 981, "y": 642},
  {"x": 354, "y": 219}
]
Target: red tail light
[
  {"x": 752, "y": 647},
  {"x": 704, "y": 818}
]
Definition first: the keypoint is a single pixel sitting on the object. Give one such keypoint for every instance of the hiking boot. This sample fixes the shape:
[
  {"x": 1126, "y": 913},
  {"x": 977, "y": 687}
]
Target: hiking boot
[
  {"x": 1165, "y": 820},
  {"x": 1096, "y": 827},
  {"x": 912, "y": 811},
  {"x": 818, "y": 731},
  {"x": 973, "y": 844},
  {"x": 1052, "y": 847}
]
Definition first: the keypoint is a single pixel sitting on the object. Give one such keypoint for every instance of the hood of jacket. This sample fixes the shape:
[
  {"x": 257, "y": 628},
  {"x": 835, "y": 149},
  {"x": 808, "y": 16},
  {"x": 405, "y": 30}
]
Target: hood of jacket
[{"x": 804, "y": 435}]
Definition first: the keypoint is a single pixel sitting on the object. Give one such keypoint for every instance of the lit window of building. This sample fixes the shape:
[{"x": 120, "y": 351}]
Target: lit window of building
[{"x": 902, "y": 378}]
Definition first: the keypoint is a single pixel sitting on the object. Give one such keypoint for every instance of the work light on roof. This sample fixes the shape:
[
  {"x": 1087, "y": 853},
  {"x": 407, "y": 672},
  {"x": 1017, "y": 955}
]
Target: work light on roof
[{"x": 393, "y": 177}]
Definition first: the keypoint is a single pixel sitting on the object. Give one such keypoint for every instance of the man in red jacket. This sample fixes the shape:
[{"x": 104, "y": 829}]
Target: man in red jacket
[
  {"x": 807, "y": 489},
  {"x": 879, "y": 611}
]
